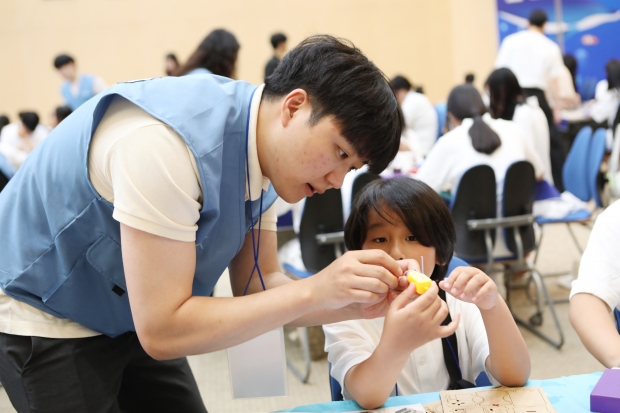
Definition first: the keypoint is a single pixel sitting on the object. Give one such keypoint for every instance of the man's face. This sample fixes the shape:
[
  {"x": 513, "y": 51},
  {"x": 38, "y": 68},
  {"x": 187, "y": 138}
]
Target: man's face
[
  {"x": 400, "y": 95},
  {"x": 310, "y": 159},
  {"x": 67, "y": 71}
]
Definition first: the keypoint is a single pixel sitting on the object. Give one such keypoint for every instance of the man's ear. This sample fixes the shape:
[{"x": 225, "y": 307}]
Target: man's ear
[{"x": 291, "y": 104}]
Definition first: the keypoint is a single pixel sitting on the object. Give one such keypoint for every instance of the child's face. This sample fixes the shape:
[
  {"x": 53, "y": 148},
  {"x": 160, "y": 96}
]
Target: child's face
[{"x": 396, "y": 239}]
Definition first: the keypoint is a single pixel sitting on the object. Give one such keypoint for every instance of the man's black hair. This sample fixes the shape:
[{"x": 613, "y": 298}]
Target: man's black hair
[
  {"x": 420, "y": 208},
  {"x": 399, "y": 83},
  {"x": 343, "y": 83},
  {"x": 4, "y": 120},
  {"x": 276, "y": 39},
  {"x": 612, "y": 69},
  {"x": 505, "y": 93},
  {"x": 469, "y": 78},
  {"x": 62, "y": 112},
  {"x": 62, "y": 60},
  {"x": 538, "y": 18},
  {"x": 464, "y": 102},
  {"x": 30, "y": 120}
]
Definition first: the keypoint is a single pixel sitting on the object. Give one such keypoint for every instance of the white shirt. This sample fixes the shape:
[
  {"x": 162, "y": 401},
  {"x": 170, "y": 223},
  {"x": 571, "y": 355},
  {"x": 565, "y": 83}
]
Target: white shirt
[
  {"x": 453, "y": 155},
  {"x": 421, "y": 121},
  {"x": 349, "y": 343},
  {"x": 532, "y": 57},
  {"x": 606, "y": 103},
  {"x": 156, "y": 190},
  {"x": 530, "y": 117},
  {"x": 599, "y": 271},
  {"x": 12, "y": 145}
]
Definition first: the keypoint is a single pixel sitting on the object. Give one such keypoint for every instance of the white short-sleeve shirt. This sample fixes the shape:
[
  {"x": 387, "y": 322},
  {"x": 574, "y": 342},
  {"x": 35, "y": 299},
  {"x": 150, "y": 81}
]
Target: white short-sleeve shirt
[
  {"x": 349, "y": 343},
  {"x": 599, "y": 271},
  {"x": 532, "y": 57},
  {"x": 421, "y": 123}
]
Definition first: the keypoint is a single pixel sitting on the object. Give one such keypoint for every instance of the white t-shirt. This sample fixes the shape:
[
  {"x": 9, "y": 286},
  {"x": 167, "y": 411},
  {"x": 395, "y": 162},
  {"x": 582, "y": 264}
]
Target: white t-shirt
[
  {"x": 530, "y": 117},
  {"x": 599, "y": 271},
  {"x": 156, "y": 190},
  {"x": 532, "y": 57},
  {"x": 606, "y": 103},
  {"x": 420, "y": 119},
  {"x": 453, "y": 155},
  {"x": 12, "y": 145},
  {"x": 349, "y": 343}
]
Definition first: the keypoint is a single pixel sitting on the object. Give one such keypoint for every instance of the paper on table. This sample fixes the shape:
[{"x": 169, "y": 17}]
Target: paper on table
[{"x": 496, "y": 400}]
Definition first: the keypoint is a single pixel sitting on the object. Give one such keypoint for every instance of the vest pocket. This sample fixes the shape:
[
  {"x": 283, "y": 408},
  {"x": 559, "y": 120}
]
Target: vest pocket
[{"x": 94, "y": 293}]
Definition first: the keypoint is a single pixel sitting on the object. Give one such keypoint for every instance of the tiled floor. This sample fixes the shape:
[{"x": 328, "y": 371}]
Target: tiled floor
[{"x": 557, "y": 253}]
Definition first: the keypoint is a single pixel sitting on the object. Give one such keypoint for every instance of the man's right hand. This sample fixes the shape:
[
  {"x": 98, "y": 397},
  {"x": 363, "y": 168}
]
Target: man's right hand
[{"x": 359, "y": 278}]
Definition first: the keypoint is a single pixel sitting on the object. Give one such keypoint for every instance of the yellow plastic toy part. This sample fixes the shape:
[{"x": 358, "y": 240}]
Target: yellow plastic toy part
[{"x": 421, "y": 281}]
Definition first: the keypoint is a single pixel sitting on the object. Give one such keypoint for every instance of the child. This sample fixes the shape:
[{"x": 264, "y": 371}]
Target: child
[{"x": 403, "y": 353}]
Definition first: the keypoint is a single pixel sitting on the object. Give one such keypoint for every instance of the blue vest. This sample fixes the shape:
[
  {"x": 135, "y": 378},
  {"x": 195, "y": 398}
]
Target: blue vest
[
  {"x": 85, "y": 91},
  {"x": 60, "y": 247}
]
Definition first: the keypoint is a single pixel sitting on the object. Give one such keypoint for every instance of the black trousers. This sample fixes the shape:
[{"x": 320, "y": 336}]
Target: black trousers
[
  {"x": 556, "y": 149},
  {"x": 94, "y": 374}
]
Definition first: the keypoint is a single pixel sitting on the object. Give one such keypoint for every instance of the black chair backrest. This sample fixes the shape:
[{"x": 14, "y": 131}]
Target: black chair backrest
[
  {"x": 361, "y": 181},
  {"x": 475, "y": 198},
  {"x": 519, "y": 193},
  {"x": 322, "y": 214},
  {"x": 3, "y": 181}
]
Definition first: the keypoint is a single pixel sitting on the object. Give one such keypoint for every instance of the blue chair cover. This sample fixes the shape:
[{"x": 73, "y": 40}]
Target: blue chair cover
[
  {"x": 617, "y": 318},
  {"x": 574, "y": 171},
  {"x": 456, "y": 262},
  {"x": 442, "y": 112},
  {"x": 595, "y": 157}
]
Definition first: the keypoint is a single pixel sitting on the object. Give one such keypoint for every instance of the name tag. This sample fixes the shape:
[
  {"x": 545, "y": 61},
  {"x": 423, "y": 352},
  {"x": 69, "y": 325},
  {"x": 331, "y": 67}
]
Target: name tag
[{"x": 258, "y": 367}]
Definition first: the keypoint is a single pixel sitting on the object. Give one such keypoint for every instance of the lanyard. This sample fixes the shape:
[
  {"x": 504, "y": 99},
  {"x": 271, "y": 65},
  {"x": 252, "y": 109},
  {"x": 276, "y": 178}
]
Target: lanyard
[{"x": 255, "y": 243}]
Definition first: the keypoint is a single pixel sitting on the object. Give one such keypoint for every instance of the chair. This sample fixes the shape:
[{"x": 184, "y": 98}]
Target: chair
[
  {"x": 442, "y": 113},
  {"x": 476, "y": 221},
  {"x": 321, "y": 241},
  {"x": 617, "y": 319},
  {"x": 360, "y": 182},
  {"x": 575, "y": 177},
  {"x": 595, "y": 158}
]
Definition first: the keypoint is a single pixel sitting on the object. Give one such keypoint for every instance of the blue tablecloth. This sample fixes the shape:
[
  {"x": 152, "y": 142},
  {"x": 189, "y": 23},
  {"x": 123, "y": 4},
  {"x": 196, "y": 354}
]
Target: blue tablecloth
[{"x": 567, "y": 394}]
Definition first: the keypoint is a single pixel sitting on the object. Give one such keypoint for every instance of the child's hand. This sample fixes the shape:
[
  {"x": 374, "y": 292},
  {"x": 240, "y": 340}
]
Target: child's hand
[
  {"x": 471, "y": 285},
  {"x": 411, "y": 324}
]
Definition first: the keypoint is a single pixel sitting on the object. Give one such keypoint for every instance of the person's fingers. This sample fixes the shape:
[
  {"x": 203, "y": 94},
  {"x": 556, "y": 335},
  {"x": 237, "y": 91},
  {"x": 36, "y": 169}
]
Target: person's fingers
[
  {"x": 402, "y": 283},
  {"x": 460, "y": 282},
  {"x": 404, "y": 298},
  {"x": 474, "y": 284},
  {"x": 448, "y": 330},
  {"x": 426, "y": 299},
  {"x": 487, "y": 288},
  {"x": 449, "y": 280},
  {"x": 440, "y": 313},
  {"x": 408, "y": 265},
  {"x": 374, "y": 272},
  {"x": 369, "y": 283},
  {"x": 380, "y": 258}
]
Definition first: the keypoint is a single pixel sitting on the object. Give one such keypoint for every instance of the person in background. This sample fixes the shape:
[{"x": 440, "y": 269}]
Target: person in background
[
  {"x": 567, "y": 85},
  {"x": 606, "y": 107},
  {"x": 507, "y": 101},
  {"x": 470, "y": 78},
  {"x": 171, "y": 65},
  {"x": 420, "y": 117},
  {"x": 278, "y": 42},
  {"x": 77, "y": 87},
  {"x": 216, "y": 54},
  {"x": 596, "y": 291},
  {"x": 18, "y": 139},
  {"x": 4, "y": 120},
  {"x": 537, "y": 63},
  {"x": 58, "y": 115}
]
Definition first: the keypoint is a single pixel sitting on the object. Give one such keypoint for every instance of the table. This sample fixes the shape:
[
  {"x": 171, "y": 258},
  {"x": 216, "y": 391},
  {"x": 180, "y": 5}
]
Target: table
[{"x": 567, "y": 394}]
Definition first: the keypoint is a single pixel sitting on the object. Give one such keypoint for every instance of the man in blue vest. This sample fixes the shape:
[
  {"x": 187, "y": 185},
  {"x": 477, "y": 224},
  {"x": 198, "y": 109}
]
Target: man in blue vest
[
  {"x": 117, "y": 227},
  {"x": 77, "y": 87}
]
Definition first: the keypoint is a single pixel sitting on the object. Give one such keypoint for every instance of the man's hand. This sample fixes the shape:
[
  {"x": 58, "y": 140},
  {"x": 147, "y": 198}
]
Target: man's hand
[{"x": 363, "y": 278}]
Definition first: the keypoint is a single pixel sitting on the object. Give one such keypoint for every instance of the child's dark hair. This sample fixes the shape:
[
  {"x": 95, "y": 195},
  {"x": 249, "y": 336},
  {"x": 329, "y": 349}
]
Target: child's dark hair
[
  {"x": 419, "y": 207},
  {"x": 342, "y": 82}
]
